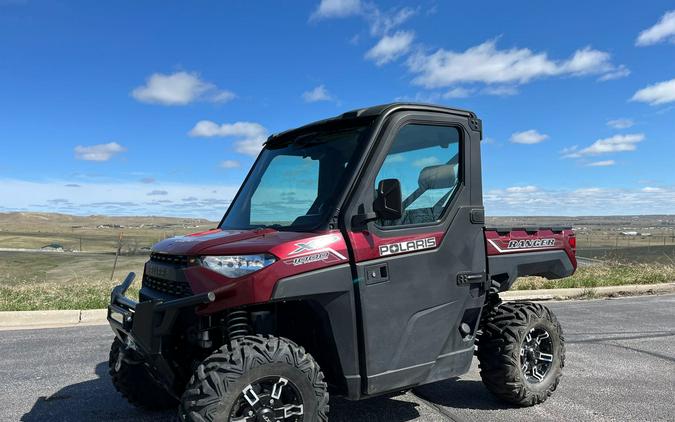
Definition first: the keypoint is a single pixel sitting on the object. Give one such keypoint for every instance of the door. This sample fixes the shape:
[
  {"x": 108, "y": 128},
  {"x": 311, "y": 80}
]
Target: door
[{"x": 420, "y": 278}]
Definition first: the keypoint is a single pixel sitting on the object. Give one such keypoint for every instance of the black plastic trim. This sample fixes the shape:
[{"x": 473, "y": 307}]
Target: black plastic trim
[{"x": 548, "y": 264}]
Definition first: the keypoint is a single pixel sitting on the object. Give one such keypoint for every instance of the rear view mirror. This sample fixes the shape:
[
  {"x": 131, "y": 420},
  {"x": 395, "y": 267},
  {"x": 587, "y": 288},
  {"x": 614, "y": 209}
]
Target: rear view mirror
[{"x": 387, "y": 204}]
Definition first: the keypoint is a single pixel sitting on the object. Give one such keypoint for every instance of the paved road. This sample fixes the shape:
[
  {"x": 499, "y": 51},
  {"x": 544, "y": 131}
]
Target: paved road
[{"x": 620, "y": 366}]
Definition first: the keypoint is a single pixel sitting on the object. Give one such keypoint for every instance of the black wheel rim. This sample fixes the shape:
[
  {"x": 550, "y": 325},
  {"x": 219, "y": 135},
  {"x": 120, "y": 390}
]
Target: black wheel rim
[
  {"x": 536, "y": 355},
  {"x": 270, "y": 399}
]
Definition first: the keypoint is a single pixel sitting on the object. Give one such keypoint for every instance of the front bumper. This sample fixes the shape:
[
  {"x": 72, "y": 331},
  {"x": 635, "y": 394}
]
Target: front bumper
[{"x": 141, "y": 327}]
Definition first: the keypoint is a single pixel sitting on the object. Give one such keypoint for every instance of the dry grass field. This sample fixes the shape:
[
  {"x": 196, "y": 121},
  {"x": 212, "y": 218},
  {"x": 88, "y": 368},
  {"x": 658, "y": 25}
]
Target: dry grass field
[
  {"x": 78, "y": 277},
  {"x": 33, "y": 277}
]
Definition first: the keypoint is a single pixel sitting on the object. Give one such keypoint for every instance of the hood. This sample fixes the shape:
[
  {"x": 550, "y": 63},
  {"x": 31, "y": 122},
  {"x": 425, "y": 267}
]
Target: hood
[{"x": 226, "y": 242}]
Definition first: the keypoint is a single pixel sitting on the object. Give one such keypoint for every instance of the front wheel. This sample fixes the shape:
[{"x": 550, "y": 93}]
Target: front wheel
[
  {"x": 135, "y": 383},
  {"x": 521, "y": 351},
  {"x": 256, "y": 378}
]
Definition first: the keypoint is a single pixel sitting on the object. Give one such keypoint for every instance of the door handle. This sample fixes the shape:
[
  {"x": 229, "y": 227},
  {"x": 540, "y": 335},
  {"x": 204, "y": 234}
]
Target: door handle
[
  {"x": 470, "y": 278},
  {"x": 377, "y": 273}
]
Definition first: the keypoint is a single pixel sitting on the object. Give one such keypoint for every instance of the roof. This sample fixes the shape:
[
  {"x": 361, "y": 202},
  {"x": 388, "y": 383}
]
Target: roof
[{"x": 373, "y": 112}]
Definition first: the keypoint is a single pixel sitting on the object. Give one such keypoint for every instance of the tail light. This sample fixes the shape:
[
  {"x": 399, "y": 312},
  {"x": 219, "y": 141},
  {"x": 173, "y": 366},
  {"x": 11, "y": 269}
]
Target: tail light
[{"x": 573, "y": 241}]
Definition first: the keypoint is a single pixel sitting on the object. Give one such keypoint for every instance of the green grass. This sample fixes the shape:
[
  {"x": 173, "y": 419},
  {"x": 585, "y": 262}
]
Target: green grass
[
  {"x": 610, "y": 274},
  {"x": 86, "y": 294}
]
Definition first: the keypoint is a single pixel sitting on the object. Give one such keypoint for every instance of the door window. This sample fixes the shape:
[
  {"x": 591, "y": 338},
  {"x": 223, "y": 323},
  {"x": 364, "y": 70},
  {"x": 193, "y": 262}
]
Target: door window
[{"x": 425, "y": 160}]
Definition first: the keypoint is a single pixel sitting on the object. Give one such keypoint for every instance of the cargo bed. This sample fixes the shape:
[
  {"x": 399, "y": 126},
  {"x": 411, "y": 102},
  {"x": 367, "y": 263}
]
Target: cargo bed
[{"x": 529, "y": 251}]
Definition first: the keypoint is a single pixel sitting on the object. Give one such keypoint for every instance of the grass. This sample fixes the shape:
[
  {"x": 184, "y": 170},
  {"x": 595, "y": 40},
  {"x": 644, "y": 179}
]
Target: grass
[
  {"x": 38, "y": 281},
  {"x": 608, "y": 274},
  {"x": 86, "y": 294}
]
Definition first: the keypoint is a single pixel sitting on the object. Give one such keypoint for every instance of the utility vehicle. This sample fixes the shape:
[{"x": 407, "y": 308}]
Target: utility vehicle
[{"x": 353, "y": 260}]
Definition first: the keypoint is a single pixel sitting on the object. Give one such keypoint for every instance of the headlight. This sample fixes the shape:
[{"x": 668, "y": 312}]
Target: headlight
[{"x": 237, "y": 266}]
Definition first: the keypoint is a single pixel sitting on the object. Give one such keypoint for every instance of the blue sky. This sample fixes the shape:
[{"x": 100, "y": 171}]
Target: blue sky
[{"x": 160, "y": 107}]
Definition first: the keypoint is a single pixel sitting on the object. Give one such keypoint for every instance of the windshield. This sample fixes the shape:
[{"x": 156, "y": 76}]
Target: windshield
[{"x": 296, "y": 181}]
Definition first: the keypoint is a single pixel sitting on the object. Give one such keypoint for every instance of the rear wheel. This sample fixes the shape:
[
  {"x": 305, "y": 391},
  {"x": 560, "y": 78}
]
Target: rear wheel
[
  {"x": 135, "y": 383},
  {"x": 521, "y": 351},
  {"x": 256, "y": 378}
]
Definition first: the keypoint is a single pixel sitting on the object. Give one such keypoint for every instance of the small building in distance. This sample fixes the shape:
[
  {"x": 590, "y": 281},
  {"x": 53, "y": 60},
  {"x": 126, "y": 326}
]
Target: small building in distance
[{"x": 53, "y": 247}]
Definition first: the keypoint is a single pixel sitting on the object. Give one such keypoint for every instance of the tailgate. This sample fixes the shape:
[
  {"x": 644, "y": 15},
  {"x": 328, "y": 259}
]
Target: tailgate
[{"x": 542, "y": 251}]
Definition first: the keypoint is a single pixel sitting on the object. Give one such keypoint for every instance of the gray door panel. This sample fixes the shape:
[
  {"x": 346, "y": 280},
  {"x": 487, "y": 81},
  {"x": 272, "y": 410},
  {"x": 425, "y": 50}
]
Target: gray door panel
[{"x": 411, "y": 318}]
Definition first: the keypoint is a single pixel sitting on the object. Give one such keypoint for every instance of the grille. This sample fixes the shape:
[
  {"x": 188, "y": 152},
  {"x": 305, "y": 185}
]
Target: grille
[
  {"x": 180, "y": 260},
  {"x": 171, "y": 282},
  {"x": 172, "y": 287}
]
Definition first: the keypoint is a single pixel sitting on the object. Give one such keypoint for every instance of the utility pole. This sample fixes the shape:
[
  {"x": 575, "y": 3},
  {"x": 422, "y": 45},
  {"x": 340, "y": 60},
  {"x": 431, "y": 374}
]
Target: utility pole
[{"x": 117, "y": 254}]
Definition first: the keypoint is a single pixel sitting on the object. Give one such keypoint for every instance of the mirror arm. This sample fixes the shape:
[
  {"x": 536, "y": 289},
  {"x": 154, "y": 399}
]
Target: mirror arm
[{"x": 360, "y": 220}]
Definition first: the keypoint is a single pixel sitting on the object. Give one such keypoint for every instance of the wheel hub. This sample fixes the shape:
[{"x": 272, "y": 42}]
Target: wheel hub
[
  {"x": 270, "y": 399},
  {"x": 266, "y": 414},
  {"x": 536, "y": 355}
]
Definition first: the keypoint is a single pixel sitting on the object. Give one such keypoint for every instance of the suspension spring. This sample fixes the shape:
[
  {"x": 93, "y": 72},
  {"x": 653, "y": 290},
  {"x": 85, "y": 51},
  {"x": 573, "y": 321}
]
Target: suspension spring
[{"x": 238, "y": 324}]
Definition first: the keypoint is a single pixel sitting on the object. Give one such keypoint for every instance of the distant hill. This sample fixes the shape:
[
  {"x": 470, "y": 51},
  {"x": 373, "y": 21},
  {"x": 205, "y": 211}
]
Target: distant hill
[
  {"x": 54, "y": 222},
  {"x": 606, "y": 223}
]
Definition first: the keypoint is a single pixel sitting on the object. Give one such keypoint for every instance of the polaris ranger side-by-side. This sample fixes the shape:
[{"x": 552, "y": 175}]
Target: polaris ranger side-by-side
[{"x": 354, "y": 259}]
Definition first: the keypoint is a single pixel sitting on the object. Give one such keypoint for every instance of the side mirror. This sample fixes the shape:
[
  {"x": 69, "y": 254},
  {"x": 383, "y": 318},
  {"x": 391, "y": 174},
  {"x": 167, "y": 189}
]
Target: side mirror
[{"x": 387, "y": 204}]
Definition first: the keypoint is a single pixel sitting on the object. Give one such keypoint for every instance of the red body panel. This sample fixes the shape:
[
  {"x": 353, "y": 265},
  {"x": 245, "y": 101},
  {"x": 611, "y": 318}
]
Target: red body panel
[
  {"x": 296, "y": 253},
  {"x": 500, "y": 242}
]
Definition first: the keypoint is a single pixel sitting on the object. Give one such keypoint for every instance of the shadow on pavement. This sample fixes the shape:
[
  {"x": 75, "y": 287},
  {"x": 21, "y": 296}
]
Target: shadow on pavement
[
  {"x": 94, "y": 400},
  {"x": 460, "y": 394},
  {"x": 97, "y": 400}
]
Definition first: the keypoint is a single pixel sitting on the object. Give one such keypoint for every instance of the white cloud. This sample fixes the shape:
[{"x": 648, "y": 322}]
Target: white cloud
[
  {"x": 249, "y": 136},
  {"x": 621, "y": 123},
  {"x": 211, "y": 201},
  {"x": 100, "y": 152},
  {"x": 395, "y": 158},
  {"x": 158, "y": 193},
  {"x": 586, "y": 61},
  {"x": 320, "y": 93},
  {"x": 522, "y": 189},
  {"x": 616, "y": 143},
  {"x": 570, "y": 152},
  {"x": 230, "y": 164},
  {"x": 207, "y": 128},
  {"x": 485, "y": 63},
  {"x": 390, "y": 47},
  {"x": 179, "y": 88},
  {"x": 620, "y": 72},
  {"x": 426, "y": 161},
  {"x": 659, "y": 93},
  {"x": 583, "y": 201},
  {"x": 605, "y": 163},
  {"x": 117, "y": 198},
  {"x": 382, "y": 23},
  {"x": 336, "y": 9},
  {"x": 528, "y": 137},
  {"x": 489, "y": 141},
  {"x": 663, "y": 30},
  {"x": 458, "y": 92}
]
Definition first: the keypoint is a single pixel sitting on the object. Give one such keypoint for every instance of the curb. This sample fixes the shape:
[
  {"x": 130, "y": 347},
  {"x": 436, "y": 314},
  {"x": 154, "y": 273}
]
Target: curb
[
  {"x": 21, "y": 320},
  {"x": 589, "y": 292}
]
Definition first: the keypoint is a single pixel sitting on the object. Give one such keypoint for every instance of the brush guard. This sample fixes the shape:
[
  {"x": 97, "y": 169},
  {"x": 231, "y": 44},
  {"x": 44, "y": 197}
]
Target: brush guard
[{"x": 142, "y": 326}]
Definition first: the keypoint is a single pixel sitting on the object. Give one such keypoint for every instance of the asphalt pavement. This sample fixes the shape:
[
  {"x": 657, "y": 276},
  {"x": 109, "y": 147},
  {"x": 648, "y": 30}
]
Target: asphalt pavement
[{"x": 620, "y": 366}]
